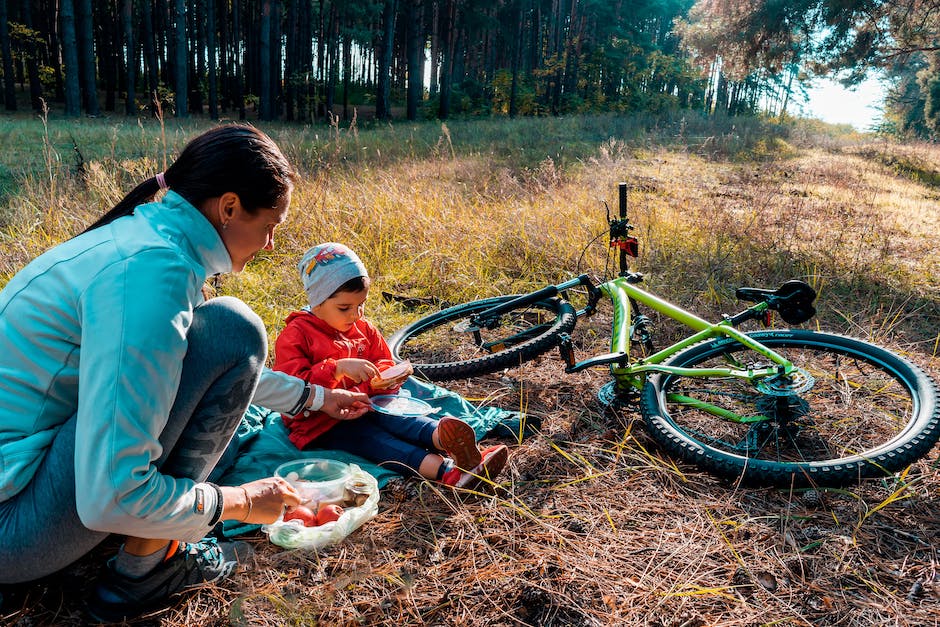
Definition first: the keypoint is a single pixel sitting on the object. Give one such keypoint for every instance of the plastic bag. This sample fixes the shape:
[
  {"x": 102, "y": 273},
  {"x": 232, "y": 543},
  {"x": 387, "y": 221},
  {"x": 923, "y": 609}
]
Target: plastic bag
[{"x": 293, "y": 535}]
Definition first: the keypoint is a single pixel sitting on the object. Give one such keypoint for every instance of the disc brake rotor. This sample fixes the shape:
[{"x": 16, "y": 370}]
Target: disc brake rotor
[{"x": 797, "y": 382}]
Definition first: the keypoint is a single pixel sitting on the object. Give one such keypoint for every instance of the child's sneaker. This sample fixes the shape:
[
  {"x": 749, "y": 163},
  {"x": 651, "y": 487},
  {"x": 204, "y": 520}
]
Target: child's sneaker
[
  {"x": 458, "y": 439},
  {"x": 118, "y": 597},
  {"x": 494, "y": 458}
]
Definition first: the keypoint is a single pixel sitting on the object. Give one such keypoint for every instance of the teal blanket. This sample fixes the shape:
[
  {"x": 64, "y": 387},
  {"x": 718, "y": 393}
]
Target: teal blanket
[{"x": 261, "y": 444}]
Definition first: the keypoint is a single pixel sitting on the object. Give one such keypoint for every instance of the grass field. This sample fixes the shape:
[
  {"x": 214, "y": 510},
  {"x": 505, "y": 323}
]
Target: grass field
[{"x": 595, "y": 527}]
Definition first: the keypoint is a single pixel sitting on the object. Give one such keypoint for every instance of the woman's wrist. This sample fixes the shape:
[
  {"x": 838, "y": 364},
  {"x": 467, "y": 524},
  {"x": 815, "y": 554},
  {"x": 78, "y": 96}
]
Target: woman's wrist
[
  {"x": 237, "y": 503},
  {"x": 316, "y": 398}
]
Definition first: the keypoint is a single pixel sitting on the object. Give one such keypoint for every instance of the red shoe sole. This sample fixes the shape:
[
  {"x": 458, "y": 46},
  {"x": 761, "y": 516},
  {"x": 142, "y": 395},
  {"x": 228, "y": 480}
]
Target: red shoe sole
[
  {"x": 460, "y": 442},
  {"x": 492, "y": 464}
]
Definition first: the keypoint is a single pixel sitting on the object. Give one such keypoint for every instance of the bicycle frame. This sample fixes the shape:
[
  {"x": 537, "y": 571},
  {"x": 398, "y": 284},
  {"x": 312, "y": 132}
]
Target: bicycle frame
[
  {"x": 625, "y": 295},
  {"x": 622, "y": 292}
]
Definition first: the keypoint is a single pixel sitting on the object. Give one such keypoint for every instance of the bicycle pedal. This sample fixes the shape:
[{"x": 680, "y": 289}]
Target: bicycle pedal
[{"x": 566, "y": 350}]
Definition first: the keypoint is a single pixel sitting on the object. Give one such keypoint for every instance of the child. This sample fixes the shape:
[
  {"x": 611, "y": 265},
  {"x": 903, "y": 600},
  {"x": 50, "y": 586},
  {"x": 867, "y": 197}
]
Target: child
[{"x": 330, "y": 344}]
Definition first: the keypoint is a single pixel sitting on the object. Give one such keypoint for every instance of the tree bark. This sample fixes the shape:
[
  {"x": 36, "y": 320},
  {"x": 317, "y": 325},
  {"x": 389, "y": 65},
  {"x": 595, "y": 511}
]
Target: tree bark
[
  {"x": 434, "y": 87},
  {"x": 448, "y": 36},
  {"x": 150, "y": 57},
  {"x": 264, "y": 104},
  {"x": 212, "y": 70},
  {"x": 109, "y": 54},
  {"x": 414, "y": 48},
  {"x": 32, "y": 63},
  {"x": 383, "y": 107},
  {"x": 237, "y": 61},
  {"x": 86, "y": 43},
  {"x": 9, "y": 81},
  {"x": 181, "y": 62},
  {"x": 127, "y": 13},
  {"x": 73, "y": 91}
]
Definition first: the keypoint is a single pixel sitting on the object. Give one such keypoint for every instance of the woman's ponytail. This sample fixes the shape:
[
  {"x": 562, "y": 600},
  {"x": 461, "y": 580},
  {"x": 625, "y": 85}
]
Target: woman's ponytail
[{"x": 230, "y": 158}]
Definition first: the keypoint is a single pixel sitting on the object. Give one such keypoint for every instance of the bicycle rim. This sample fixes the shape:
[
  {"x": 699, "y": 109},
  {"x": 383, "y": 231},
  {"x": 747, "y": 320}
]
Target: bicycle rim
[
  {"x": 866, "y": 412},
  {"x": 442, "y": 346}
]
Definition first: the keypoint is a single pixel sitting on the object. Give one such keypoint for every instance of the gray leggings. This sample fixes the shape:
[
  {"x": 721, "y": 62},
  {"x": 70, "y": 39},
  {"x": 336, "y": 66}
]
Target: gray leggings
[{"x": 40, "y": 532}]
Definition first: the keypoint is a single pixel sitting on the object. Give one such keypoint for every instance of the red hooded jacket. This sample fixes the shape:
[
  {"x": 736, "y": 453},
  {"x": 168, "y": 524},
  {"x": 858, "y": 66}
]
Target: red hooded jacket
[{"x": 308, "y": 348}]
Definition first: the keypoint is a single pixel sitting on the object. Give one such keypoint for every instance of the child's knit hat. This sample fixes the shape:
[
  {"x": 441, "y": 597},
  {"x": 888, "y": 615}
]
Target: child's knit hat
[{"x": 326, "y": 267}]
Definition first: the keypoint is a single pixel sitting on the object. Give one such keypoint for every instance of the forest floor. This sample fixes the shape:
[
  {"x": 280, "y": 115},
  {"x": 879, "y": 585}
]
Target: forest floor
[{"x": 593, "y": 525}]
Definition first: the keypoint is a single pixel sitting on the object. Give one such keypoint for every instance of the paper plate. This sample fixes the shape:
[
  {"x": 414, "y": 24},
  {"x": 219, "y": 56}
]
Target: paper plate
[{"x": 398, "y": 405}]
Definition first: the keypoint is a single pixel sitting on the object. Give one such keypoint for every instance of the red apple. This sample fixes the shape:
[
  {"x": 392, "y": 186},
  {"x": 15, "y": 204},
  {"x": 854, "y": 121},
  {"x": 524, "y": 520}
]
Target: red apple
[
  {"x": 302, "y": 513},
  {"x": 328, "y": 513}
]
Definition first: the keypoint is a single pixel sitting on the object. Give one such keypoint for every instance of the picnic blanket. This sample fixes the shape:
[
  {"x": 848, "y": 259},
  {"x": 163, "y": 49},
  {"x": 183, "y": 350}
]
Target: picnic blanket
[{"x": 261, "y": 443}]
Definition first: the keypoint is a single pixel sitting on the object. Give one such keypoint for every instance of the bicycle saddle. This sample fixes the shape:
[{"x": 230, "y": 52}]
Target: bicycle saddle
[{"x": 793, "y": 300}]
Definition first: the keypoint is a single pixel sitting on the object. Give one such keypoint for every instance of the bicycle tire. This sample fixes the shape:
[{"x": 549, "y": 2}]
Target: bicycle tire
[
  {"x": 438, "y": 352},
  {"x": 869, "y": 413}
]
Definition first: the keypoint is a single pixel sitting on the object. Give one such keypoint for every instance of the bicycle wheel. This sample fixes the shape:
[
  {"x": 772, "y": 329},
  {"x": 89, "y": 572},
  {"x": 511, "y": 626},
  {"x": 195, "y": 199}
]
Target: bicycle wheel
[
  {"x": 852, "y": 410},
  {"x": 448, "y": 345}
]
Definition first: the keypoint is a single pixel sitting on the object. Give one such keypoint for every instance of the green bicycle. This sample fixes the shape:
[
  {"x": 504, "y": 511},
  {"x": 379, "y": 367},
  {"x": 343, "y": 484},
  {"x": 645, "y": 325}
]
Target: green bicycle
[{"x": 770, "y": 407}]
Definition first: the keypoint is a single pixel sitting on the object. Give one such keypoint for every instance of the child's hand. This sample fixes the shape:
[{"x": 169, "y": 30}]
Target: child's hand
[
  {"x": 358, "y": 370},
  {"x": 378, "y": 383}
]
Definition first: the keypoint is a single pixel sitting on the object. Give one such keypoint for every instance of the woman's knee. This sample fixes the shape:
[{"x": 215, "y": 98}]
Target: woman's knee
[{"x": 226, "y": 321}]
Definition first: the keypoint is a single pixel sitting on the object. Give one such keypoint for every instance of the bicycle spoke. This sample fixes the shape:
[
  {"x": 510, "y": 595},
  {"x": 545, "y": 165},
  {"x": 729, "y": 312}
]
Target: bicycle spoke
[{"x": 849, "y": 406}]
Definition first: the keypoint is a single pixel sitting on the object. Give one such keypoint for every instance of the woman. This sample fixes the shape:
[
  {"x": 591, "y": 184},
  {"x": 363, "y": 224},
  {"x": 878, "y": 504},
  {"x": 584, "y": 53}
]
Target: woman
[{"x": 120, "y": 387}]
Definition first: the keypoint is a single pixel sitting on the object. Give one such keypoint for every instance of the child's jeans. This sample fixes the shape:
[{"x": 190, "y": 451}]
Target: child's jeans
[{"x": 398, "y": 442}]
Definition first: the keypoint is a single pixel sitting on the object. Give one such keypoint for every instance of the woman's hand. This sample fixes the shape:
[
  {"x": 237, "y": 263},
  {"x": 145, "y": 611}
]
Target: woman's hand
[
  {"x": 344, "y": 405},
  {"x": 358, "y": 370},
  {"x": 260, "y": 502}
]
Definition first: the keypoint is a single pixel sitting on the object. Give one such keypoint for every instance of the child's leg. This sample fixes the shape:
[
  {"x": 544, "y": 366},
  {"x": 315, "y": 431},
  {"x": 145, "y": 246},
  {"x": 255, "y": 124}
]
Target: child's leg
[
  {"x": 449, "y": 434},
  {"x": 458, "y": 439},
  {"x": 367, "y": 437}
]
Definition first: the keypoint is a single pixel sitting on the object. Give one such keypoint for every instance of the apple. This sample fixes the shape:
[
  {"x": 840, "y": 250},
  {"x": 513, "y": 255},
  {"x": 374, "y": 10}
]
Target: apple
[
  {"x": 302, "y": 513},
  {"x": 328, "y": 513}
]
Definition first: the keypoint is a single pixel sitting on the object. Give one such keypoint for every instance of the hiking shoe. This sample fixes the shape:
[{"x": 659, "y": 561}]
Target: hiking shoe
[
  {"x": 118, "y": 597},
  {"x": 458, "y": 439},
  {"x": 494, "y": 458}
]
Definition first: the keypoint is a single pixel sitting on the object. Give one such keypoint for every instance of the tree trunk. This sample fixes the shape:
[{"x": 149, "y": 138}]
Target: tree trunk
[
  {"x": 433, "y": 88},
  {"x": 213, "y": 72},
  {"x": 237, "y": 59},
  {"x": 383, "y": 107},
  {"x": 448, "y": 36},
  {"x": 264, "y": 97},
  {"x": 108, "y": 52},
  {"x": 86, "y": 42},
  {"x": 516, "y": 51},
  {"x": 221, "y": 18},
  {"x": 50, "y": 19},
  {"x": 276, "y": 95},
  {"x": 9, "y": 84},
  {"x": 333, "y": 52},
  {"x": 415, "y": 47},
  {"x": 127, "y": 13},
  {"x": 347, "y": 70},
  {"x": 180, "y": 62},
  {"x": 290, "y": 60},
  {"x": 197, "y": 54},
  {"x": 32, "y": 63},
  {"x": 73, "y": 91},
  {"x": 150, "y": 58}
]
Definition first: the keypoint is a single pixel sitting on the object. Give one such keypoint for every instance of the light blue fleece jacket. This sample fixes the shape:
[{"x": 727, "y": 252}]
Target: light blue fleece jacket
[{"x": 97, "y": 326}]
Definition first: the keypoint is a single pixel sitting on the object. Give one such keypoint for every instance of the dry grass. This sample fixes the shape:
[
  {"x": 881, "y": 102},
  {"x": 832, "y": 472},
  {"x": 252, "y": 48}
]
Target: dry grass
[{"x": 594, "y": 526}]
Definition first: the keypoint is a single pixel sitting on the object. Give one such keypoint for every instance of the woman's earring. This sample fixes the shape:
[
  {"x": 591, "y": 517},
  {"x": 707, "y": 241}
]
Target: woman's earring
[{"x": 224, "y": 225}]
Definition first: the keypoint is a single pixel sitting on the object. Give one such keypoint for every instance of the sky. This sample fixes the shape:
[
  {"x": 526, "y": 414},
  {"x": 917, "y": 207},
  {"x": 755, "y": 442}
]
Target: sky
[{"x": 829, "y": 101}]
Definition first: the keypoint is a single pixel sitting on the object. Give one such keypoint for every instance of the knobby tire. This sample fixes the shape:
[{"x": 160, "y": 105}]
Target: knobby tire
[
  {"x": 438, "y": 352},
  {"x": 869, "y": 413}
]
